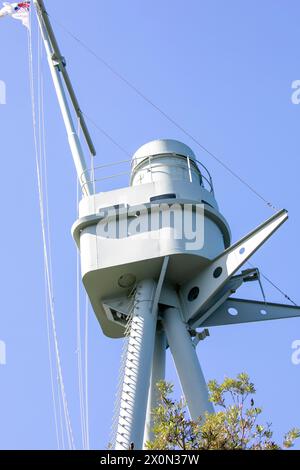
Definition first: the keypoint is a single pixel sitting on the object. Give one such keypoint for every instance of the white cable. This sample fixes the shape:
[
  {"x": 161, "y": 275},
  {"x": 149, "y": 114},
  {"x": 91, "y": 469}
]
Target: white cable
[
  {"x": 61, "y": 421},
  {"x": 45, "y": 250},
  {"x": 83, "y": 398},
  {"x": 51, "y": 366},
  {"x": 41, "y": 138}
]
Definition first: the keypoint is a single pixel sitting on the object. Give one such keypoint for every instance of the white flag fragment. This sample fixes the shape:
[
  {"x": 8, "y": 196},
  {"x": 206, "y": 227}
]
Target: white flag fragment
[{"x": 19, "y": 11}]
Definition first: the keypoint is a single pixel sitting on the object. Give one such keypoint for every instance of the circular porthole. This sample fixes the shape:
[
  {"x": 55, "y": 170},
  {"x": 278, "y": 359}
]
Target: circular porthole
[
  {"x": 263, "y": 312},
  {"x": 127, "y": 280},
  {"x": 233, "y": 311},
  {"x": 217, "y": 272},
  {"x": 242, "y": 251},
  {"x": 193, "y": 294}
]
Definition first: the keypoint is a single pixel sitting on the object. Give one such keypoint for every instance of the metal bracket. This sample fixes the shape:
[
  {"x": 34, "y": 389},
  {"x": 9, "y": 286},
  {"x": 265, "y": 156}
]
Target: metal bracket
[
  {"x": 254, "y": 276},
  {"x": 58, "y": 60},
  {"x": 200, "y": 336},
  {"x": 251, "y": 275},
  {"x": 248, "y": 275},
  {"x": 198, "y": 294}
]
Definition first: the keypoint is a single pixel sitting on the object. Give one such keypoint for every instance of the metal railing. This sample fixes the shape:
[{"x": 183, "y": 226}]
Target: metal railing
[{"x": 102, "y": 173}]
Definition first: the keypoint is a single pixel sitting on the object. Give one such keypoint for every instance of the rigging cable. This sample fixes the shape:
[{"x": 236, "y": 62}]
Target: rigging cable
[
  {"x": 45, "y": 247},
  {"x": 107, "y": 135},
  {"x": 165, "y": 115},
  {"x": 61, "y": 421},
  {"x": 43, "y": 160},
  {"x": 83, "y": 399},
  {"x": 286, "y": 296}
]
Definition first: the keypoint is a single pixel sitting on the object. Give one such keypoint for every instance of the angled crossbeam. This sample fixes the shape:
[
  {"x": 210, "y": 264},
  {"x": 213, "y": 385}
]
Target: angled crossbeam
[
  {"x": 59, "y": 73},
  {"x": 197, "y": 294},
  {"x": 236, "y": 311},
  {"x": 226, "y": 291},
  {"x": 42, "y": 13}
]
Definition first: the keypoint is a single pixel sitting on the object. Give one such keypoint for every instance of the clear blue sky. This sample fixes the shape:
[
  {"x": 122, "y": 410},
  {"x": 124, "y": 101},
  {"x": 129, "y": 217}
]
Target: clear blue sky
[{"x": 224, "y": 71}]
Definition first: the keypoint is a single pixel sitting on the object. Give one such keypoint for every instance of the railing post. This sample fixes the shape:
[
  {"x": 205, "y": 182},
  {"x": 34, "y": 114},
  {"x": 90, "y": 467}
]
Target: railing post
[
  {"x": 93, "y": 174},
  {"x": 189, "y": 167},
  {"x": 150, "y": 165},
  {"x": 211, "y": 184}
]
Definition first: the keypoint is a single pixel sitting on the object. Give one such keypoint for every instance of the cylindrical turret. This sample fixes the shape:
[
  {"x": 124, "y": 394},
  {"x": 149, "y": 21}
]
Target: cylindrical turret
[
  {"x": 163, "y": 160},
  {"x": 167, "y": 162}
]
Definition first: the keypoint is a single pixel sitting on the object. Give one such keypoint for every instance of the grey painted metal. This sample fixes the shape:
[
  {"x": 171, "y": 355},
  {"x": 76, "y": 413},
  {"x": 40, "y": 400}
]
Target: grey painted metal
[
  {"x": 159, "y": 168},
  {"x": 218, "y": 272},
  {"x": 74, "y": 142},
  {"x": 169, "y": 298},
  {"x": 57, "y": 56},
  {"x": 137, "y": 368},
  {"x": 161, "y": 279},
  {"x": 237, "y": 311},
  {"x": 187, "y": 364},
  {"x": 157, "y": 374},
  {"x": 164, "y": 171},
  {"x": 161, "y": 147},
  {"x": 229, "y": 288},
  {"x": 98, "y": 206}
]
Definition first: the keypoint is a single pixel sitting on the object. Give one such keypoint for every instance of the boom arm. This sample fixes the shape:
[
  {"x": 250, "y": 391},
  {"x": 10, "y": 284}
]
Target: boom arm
[
  {"x": 59, "y": 76},
  {"x": 236, "y": 311}
]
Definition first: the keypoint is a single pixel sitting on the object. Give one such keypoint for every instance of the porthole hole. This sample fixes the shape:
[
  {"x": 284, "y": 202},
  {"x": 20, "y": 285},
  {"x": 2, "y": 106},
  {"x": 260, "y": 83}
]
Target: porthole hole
[
  {"x": 233, "y": 311},
  {"x": 217, "y": 272},
  {"x": 193, "y": 294}
]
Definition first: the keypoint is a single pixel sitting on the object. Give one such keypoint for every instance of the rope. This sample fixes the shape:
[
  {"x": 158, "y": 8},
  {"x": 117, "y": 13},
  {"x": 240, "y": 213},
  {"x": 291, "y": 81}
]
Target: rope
[
  {"x": 45, "y": 248},
  {"x": 165, "y": 115}
]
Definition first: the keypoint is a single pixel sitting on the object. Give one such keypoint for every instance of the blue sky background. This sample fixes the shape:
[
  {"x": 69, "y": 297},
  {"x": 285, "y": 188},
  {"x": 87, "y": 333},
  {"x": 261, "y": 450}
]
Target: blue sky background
[{"x": 223, "y": 70}]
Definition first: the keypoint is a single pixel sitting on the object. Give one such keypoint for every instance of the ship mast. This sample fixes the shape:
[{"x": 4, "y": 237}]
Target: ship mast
[{"x": 148, "y": 284}]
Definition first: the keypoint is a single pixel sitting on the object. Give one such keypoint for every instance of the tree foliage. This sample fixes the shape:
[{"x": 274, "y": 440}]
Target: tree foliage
[{"x": 234, "y": 425}]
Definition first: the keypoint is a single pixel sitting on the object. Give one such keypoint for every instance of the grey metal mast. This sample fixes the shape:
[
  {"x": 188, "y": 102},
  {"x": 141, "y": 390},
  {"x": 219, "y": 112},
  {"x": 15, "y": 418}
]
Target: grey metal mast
[{"x": 60, "y": 76}]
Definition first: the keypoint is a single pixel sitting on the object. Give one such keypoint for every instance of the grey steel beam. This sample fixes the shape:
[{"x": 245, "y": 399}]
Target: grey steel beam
[{"x": 237, "y": 311}]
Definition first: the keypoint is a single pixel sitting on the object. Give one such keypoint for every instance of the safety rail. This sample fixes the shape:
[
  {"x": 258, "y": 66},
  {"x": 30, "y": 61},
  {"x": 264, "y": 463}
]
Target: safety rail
[{"x": 99, "y": 174}]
